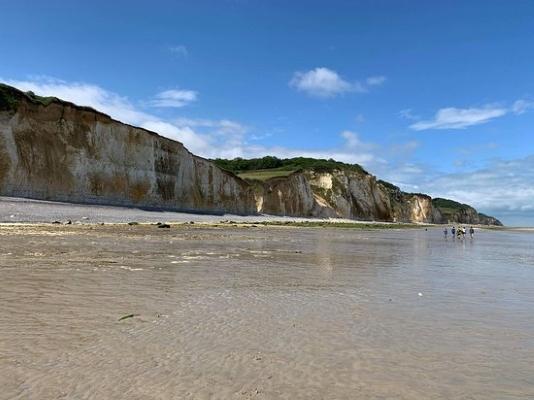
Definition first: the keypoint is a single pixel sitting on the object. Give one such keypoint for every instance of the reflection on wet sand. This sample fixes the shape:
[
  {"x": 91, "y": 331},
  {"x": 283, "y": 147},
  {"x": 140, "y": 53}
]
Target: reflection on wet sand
[{"x": 272, "y": 313}]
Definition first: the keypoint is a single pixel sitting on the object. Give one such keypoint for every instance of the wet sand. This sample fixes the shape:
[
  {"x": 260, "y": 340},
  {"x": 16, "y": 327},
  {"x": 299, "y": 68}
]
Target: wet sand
[{"x": 264, "y": 313}]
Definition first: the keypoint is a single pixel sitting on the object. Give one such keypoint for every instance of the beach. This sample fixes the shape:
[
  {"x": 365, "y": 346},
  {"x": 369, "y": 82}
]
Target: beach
[
  {"x": 22, "y": 210},
  {"x": 267, "y": 312}
]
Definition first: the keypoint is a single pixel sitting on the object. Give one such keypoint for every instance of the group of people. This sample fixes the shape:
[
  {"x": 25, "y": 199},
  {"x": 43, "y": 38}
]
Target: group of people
[{"x": 459, "y": 232}]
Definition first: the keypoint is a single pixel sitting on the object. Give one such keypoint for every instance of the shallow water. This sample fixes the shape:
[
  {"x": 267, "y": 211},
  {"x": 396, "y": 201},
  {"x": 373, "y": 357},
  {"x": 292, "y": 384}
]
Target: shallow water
[{"x": 267, "y": 313}]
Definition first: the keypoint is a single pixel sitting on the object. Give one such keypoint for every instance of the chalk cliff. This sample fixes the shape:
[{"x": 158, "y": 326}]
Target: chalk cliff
[
  {"x": 55, "y": 150},
  {"x": 454, "y": 212},
  {"x": 341, "y": 194}
]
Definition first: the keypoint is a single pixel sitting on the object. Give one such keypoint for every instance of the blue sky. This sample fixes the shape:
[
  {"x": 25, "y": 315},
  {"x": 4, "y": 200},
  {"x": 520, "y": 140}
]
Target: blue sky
[{"x": 437, "y": 97}]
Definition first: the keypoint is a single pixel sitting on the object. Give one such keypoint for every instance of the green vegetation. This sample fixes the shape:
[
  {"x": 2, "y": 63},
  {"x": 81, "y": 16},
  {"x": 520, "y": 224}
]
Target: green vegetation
[
  {"x": 10, "y": 97},
  {"x": 240, "y": 165},
  {"x": 264, "y": 174},
  {"x": 389, "y": 186},
  {"x": 449, "y": 204},
  {"x": 450, "y": 209},
  {"x": 40, "y": 99}
]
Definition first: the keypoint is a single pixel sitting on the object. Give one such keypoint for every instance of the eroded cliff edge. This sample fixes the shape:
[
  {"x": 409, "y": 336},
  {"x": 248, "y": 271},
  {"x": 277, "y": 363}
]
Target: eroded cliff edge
[
  {"x": 327, "y": 188},
  {"x": 353, "y": 195},
  {"x": 55, "y": 150}
]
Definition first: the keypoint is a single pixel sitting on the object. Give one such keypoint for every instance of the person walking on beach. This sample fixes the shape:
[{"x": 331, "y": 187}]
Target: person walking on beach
[
  {"x": 472, "y": 232},
  {"x": 445, "y": 232},
  {"x": 453, "y": 231}
]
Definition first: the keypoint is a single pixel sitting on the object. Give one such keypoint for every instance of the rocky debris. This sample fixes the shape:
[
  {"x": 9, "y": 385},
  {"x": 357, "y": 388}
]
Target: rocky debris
[
  {"x": 133, "y": 223},
  {"x": 161, "y": 225}
]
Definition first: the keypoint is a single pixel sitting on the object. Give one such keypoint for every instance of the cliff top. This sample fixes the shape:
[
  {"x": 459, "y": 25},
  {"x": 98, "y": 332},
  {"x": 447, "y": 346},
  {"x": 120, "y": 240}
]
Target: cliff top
[
  {"x": 255, "y": 169},
  {"x": 10, "y": 98},
  {"x": 279, "y": 165},
  {"x": 449, "y": 204}
]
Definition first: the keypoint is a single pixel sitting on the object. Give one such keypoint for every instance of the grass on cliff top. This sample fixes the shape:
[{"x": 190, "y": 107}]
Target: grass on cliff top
[
  {"x": 241, "y": 165},
  {"x": 265, "y": 174},
  {"x": 446, "y": 204},
  {"x": 10, "y": 96}
]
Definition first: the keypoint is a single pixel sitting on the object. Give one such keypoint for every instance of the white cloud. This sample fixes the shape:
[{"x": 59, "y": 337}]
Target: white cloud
[
  {"x": 193, "y": 141},
  {"x": 522, "y": 106},
  {"x": 179, "y": 50},
  {"x": 325, "y": 83},
  {"x": 501, "y": 185},
  {"x": 174, "y": 98},
  {"x": 206, "y": 137},
  {"x": 220, "y": 126},
  {"x": 408, "y": 114},
  {"x": 352, "y": 138},
  {"x": 460, "y": 118},
  {"x": 484, "y": 188},
  {"x": 375, "y": 80},
  {"x": 84, "y": 94},
  {"x": 501, "y": 188},
  {"x": 320, "y": 82}
]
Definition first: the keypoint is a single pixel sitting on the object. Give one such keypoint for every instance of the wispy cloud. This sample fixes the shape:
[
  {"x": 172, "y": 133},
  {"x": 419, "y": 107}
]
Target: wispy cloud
[
  {"x": 375, "y": 80},
  {"x": 174, "y": 98},
  {"x": 320, "y": 82},
  {"x": 460, "y": 118},
  {"x": 179, "y": 50},
  {"x": 502, "y": 188},
  {"x": 209, "y": 138},
  {"x": 408, "y": 114},
  {"x": 485, "y": 189},
  {"x": 521, "y": 106},
  {"x": 482, "y": 187},
  {"x": 84, "y": 94},
  {"x": 325, "y": 83}
]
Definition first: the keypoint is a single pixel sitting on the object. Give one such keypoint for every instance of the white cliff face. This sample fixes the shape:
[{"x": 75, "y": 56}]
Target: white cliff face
[
  {"x": 59, "y": 151},
  {"x": 63, "y": 152},
  {"x": 342, "y": 194},
  {"x": 421, "y": 209}
]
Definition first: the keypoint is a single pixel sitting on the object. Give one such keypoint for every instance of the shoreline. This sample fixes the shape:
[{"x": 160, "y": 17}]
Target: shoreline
[{"x": 23, "y": 211}]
